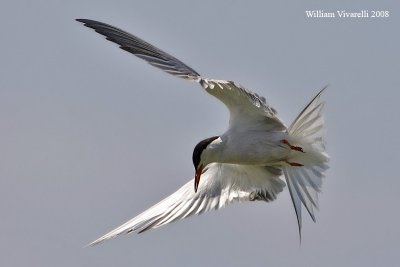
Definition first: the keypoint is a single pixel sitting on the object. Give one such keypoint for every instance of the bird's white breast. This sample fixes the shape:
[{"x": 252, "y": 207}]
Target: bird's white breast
[{"x": 250, "y": 148}]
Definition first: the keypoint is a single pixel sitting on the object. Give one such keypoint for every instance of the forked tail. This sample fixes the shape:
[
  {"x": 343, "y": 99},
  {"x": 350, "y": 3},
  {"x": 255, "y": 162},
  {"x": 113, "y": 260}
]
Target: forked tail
[{"x": 305, "y": 182}]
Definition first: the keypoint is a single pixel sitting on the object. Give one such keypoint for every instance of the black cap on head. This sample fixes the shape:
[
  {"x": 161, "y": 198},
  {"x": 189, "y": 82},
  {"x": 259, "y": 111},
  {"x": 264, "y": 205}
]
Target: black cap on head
[{"x": 198, "y": 149}]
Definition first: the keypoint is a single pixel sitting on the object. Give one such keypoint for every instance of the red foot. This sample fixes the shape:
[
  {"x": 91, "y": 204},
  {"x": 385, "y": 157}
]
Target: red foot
[
  {"x": 297, "y": 148},
  {"x": 294, "y": 164}
]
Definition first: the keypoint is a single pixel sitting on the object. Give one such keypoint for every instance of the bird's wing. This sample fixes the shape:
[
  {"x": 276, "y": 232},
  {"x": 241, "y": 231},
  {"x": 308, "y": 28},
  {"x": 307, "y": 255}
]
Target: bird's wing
[
  {"x": 220, "y": 184},
  {"x": 244, "y": 105},
  {"x": 246, "y": 108},
  {"x": 142, "y": 49}
]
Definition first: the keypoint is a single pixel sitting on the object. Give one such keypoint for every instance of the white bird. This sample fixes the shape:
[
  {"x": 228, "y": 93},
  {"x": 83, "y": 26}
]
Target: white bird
[{"x": 243, "y": 164}]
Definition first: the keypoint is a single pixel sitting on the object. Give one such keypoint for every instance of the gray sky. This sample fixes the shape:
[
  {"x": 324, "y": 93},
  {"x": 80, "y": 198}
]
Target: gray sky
[{"x": 91, "y": 135}]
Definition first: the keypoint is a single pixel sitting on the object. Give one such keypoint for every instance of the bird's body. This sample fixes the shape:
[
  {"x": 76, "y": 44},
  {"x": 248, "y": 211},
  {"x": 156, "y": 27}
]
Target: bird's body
[
  {"x": 243, "y": 164},
  {"x": 259, "y": 148}
]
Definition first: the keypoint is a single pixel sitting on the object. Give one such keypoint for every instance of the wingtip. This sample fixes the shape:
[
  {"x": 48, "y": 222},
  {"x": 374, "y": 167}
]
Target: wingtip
[
  {"x": 87, "y": 245},
  {"x": 84, "y": 21},
  {"x": 95, "y": 242}
]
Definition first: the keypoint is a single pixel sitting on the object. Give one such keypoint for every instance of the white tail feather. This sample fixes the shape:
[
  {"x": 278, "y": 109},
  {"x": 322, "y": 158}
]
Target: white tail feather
[{"x": 305, "y": 182}]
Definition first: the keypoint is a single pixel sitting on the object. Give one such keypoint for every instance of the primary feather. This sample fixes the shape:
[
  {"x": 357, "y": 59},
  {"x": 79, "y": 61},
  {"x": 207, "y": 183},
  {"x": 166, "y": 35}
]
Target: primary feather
[{"x": 222, "y": 184}]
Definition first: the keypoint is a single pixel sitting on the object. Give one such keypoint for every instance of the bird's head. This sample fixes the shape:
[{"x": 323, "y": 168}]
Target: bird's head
[{"x": 200, "y": 159}]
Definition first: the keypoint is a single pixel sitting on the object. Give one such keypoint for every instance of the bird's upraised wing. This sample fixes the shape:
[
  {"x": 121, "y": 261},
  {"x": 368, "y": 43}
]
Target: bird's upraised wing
[
  {"x": 221, "y": 184},
  {"x": 245, "y": 106}
]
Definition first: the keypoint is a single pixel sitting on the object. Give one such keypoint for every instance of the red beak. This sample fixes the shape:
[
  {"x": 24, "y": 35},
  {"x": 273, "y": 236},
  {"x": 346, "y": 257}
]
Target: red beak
[{"x": 197, "y": 177}]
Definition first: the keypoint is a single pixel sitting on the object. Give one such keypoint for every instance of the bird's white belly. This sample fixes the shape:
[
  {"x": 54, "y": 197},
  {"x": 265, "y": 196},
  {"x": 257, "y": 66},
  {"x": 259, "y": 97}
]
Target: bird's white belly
[{"x": 258, "y": 148}]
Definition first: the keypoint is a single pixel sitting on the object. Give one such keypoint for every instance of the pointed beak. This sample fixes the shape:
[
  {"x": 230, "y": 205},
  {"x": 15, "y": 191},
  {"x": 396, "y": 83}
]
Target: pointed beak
[{"x": 197, "y": 177}]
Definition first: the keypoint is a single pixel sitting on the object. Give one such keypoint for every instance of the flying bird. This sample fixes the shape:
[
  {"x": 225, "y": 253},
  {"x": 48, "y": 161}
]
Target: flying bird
[{"x": 246, "y": 162}]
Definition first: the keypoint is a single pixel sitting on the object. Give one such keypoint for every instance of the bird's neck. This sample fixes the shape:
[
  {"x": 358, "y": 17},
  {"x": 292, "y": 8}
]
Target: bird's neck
[{"x": 214, "y": 151}]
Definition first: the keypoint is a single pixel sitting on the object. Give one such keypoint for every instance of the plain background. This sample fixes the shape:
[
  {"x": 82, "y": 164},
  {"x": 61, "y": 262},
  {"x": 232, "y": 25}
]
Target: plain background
[{"x": 90, "y": 135}]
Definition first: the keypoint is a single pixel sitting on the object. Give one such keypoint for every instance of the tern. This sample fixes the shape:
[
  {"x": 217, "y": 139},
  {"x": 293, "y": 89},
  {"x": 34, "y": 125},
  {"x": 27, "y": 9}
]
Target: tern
[{"x": 245, "y": 163}]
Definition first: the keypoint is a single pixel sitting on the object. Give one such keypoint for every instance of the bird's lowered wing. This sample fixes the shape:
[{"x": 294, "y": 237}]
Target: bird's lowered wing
[
  {"x": 245, "y": 106},
  {"x": 221, "y": 184}
]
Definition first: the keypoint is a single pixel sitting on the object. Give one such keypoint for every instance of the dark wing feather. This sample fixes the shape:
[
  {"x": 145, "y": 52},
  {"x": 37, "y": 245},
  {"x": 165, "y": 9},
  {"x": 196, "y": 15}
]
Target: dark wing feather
[
  {"x": 142, "y": 49},
  {"x": 245, "y": 106}
]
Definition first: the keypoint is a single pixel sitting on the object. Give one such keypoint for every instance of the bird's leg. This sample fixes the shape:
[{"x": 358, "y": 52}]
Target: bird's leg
[
  {"x": 295, "y": 164},
  {"x": 297, "y": 148}
]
